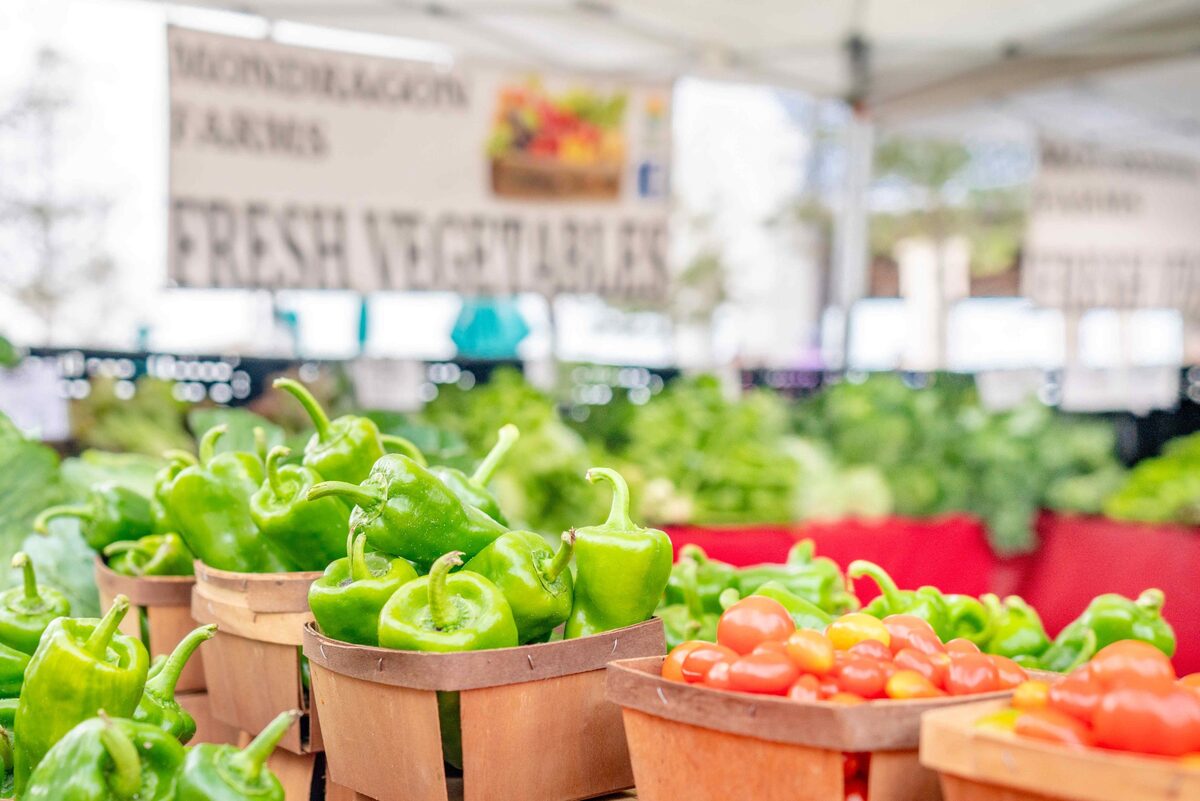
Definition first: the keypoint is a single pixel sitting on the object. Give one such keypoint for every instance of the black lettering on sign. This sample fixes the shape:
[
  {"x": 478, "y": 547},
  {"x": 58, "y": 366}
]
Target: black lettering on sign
[
  {"x": 330, "y": 251},
  {"x": 292, "y": 227},
  {"x": 222, "y": 229}
]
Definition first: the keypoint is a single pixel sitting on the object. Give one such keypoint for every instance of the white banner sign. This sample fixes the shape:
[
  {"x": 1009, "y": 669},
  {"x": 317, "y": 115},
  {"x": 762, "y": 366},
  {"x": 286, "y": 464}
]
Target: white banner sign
[
  {"x": 299, "y": 168},
  {"x": 1113, "y": 228}
]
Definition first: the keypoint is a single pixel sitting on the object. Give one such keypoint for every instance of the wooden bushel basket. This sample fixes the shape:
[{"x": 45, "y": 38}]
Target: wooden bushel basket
[
  {"x": 166, "y": 602},
  {"x": 252, "y": 665},
  {"x": 988, "y": 765},
  {"x": 535, "y": 722},
  {"x": 710, "y": 745}
]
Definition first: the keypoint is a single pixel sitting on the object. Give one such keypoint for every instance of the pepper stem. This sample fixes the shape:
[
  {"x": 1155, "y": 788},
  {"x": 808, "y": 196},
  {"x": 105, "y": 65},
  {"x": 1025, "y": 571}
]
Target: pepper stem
[
  {"x": 618, "y": 514},
  {"x": 358, "y": 559},
  {"x": 22, "y": 561},
  {"x": 208, "y": 443},
  {"x": 260, "y": 443},
  {"x": 318, "y": 416},
  {"x": 277, "y": 454},
  {"x": 801, "y": 553},
  {"x": 120, "y": 546},
  {"x": 176, "y": 455},
  {"x": 125, "y": 781},
  {"x": 102, "y": 635},
  {"x": 441, "y": 609},
  {"x": 991, "y": 602},
  {"x": 165, "y": 680},
  {"x": 41, "y": 523},
  {"x": 887, "y": 585},
  {"x": 362, "y": 496},
  {"x": 505, "y": 439},
  {"x": 405, "y": 446},
  {"x": 693, "y": 553},
  {"x": 562, "y": 557},
  {"x": 1151, "y": 600},
  {"x": 249, "y": 761}
]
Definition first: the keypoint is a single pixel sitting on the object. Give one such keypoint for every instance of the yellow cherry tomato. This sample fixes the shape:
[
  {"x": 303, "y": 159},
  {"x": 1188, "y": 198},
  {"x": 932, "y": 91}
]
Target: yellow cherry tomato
[
  {"x": 1030, "y": 694},
  {"x": 848, "y": 630},
  {"x": 1002, "y": 720},
  {"x": 811, "y": 651}
]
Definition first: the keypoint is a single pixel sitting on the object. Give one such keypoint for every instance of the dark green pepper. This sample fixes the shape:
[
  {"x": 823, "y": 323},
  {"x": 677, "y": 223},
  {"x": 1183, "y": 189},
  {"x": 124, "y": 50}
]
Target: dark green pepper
[
  {"x": 213, "y": 772},
  {"x": 26, "y": 611},
  {"x": 80, "y": 667},
  {"x": 687, "y": 619},
  {"x": 1017, "y": 630},
  {"x": 158, "y": 706},
  {"x": 535, "y": 580},
  {"x": 111, "y": 512},
  {"x": 164, "y": 479},
  {"x": 1073, "y": 646},
  {"x": 311, "y": 534},
  {"x": 106, "y": 759},
  {"x": 340, "y": 450},
  {"x": 621, "y": 568},
  {"x": 805, "y": 614},
  {"x": 818, "y": 580},
  {"x": 211, "y": 503},
  {"x": 152, "y": 555},
  {"x": 927, "y": 603},
  {"x": 1111, "y": 617},
  {"x": 712, "y": 578},
  {"x": 13, "y": 664},
  {"x": 347, "y": 599},
  {"x": 406, "y": 511},
  {"x": 472, "y": 490},
  {"x": 968, "y": 618}
]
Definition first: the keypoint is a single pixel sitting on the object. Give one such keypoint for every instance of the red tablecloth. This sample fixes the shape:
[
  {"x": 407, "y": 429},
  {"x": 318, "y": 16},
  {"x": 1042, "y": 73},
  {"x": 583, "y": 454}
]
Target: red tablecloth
[
  {"x": 1081, "y": 557},
  {"x": 950, "y": 552}
]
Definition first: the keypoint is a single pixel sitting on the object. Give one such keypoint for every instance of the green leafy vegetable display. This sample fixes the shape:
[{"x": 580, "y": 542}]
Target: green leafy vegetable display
[{"x": 1165, "y": 489}]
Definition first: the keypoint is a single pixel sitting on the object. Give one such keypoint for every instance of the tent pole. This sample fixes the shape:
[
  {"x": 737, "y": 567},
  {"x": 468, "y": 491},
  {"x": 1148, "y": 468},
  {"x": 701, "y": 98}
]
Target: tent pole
[{"x": 850, "y": 278}]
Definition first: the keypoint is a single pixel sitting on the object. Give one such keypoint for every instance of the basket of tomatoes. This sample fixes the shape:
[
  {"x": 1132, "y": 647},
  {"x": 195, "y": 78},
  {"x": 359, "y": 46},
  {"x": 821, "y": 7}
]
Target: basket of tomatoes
[
  {"x": 770, "y": 711},
  {"x": 1122, "y": 727}
]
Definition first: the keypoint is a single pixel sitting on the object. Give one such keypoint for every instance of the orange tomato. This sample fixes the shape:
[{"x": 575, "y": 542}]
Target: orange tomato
[
  {"x": 700, "y": 660},
  {"x": 910, "y": 631},
  {"x": 970, "y": 673},
  {"x": 1149, "y": 718},
  {"x": 1008, "y": 673},
  {"x": 806, "y": 688},
  {"x": 910, "y": 684},
  {"x": 672, "y": 668},
  {"x": 1077, "y": 694},
  {"x": 849, "y": 630},
  {"x": 752, "y": 621},
  {"x": 768, "y": 672},
  {"x": 931, "y": 666},
  {"x": 1129, "y": 661},
  {"x": 959, "y": 645},
  {"x": 770, "y": 647},
  {"x": 811, "y": 651},
  {"x": 1053, "y": 727},
  {"x": 1031, "y": 694},
  {"x": 718, "y": 677}
]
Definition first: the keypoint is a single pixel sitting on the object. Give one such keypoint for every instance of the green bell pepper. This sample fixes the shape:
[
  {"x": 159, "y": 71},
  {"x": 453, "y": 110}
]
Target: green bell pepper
[
  {"x": 211, "y": 503},
  {"x": 213, "y": 772},
  {"x": 1017, "y": 630},
  {"x": 621, "y": 568},
  {"x": 340, "y": 450},
  {"x": 968, "y": 618},
  {"x": 111, "y": 512},
  {"x": 1073, "y": 646},
  {"x": 472, "y": 490},
  {"x": 347, "y": 599},
  {"x": 164, "y": 479},
  {"x": 818, "y": 580},
  {"x": 81, "y": 666},
  {"x": 1112, "y": 617},
  {"x": 26, "y": 611},
  {"x": 535, "y": 580},
  {"x": 8, "y": 712},
  {"x": 152, "y": 555},
  {"x": 106, "y": 759},
  {"x": 310, "y": 534},
  {"x": 406, "y": 511},
  {"x": 805, "y": 613},
  {"x": 13, "y": 664},
  {"x": 712, "y": 578},
  {"x": 926, "y": 603},
  {"x": 687, "y": 619},
  {"x": 158, "y": 706}
]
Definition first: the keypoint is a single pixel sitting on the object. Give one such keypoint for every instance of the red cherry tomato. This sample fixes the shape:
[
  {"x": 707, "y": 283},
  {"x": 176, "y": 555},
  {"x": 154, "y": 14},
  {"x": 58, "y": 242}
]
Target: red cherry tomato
[
  {"x": 1159, "y": 718},
  {"x": 971, "y": 673},
  {"x": 846, "y": 699},
  {"x": 719, "y": 676},
  {"x": 931, "y": 666},
  {"x": 753, "y": 620},
  {"x": 767, "y": 672},
  {"x": 806, "y": 688},
  {"x": 1129, "y": 661},
  {"x": 910, "y": 631},
  {"x": 700, "y": 660},
  {"x": 770, "y": 647},
  {"x": 828, "y": 687},
  {"x": 864, "y": 677},
  {"x": 1053, "y": 727},
  {"x": 872, "y": 649},
  {"x": 961, "y": 646},
  {"x": 672, "y": 668},
  {"x": 1077, "y": 694},
  {"x": 1008, "y": 673}
]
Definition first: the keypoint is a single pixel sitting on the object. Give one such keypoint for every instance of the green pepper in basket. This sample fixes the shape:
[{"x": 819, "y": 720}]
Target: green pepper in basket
[
  {"x": 1112, "y": 617},
  {"x": 817, "y": 579},
  {"x": 81, "y": 666},
  {"x": 310, "y": 533},
  {"x": 472, "y": 490},
  {"x": 106, "y": 759},
  {"x": 341, "y": 450},
  {"x": 968, "y": 618},
  {"x": 152, "y": 555},
  {"x": 926, "y": 603},
  {"x": 406, "y": 511},
  {"x": 347, "y": 599},
  {"x": 535, "y": 580},
  {"x": 1073, "y": 646},
  {"x": 26, "y": 611},
  {"x": 13, "y": 664},
  {"x": 158, "y": 706},
  {"x": 110, "y": 513},
  {"x": 712, "y": 578},
  {"x": 621, "y": 568},
  {"x": 164, "y": 479},
  {"x": 213, "y": 772},
  {"x": 805, "y": 614},
  {"x": 8, "y": 711},
  {"x": 1017, "y": 630},
  {"x": 210, "y": 501},
  {"x": 688, "y": 619}
]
